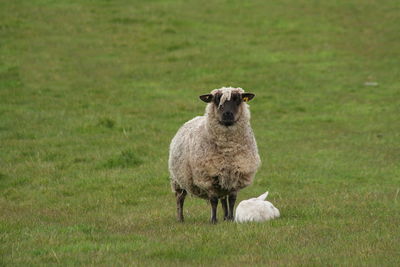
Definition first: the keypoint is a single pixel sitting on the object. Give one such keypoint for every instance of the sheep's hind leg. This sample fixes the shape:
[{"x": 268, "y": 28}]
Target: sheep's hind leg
[
  {"x": 231, "y": 200},
  {"x": 224, "y": 203},
  {"x": 214, "y": 204},
  {"x": 180, "y": 198}
]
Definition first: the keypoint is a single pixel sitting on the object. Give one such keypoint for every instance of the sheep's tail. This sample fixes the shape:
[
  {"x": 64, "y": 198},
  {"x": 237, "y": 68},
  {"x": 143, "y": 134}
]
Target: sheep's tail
[{"x": 263, "y": 196}]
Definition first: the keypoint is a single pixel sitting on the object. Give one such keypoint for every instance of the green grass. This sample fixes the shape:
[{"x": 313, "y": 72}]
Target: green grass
[{"x": 92, "y": 92}]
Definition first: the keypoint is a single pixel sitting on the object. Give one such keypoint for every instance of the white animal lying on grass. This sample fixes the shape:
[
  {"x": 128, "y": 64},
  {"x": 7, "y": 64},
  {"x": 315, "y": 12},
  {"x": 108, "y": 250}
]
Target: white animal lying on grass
[{"x": 256, "y": 210}]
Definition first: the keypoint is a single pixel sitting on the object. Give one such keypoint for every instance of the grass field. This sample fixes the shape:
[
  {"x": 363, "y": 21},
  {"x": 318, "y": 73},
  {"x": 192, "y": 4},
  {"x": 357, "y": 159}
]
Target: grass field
[{"x": 92, "y": 92}]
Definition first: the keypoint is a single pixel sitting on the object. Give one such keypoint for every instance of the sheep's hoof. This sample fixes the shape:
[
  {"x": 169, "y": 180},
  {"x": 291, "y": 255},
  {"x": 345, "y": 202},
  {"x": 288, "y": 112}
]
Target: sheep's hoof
[
  {"x": 213, "y": 221},
  {"x": 228, "y": 218},
  {"x": 180, "y": 219}
]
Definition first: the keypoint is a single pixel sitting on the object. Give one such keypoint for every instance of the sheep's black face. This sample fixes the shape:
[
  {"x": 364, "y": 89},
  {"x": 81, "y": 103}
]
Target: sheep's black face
[{"x": 228, "y": 112}]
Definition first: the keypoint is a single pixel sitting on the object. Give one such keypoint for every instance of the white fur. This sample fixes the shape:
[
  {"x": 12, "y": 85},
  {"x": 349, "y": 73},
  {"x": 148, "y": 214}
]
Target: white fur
[
  {"x": 256, "y": 210},
  {"x": 208, "y": 159},
  {"x": 226, "y": 94}
]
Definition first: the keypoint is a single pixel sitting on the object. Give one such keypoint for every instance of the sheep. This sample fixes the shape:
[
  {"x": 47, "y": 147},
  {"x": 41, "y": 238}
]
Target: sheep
[
  {"x": 215, "y": 155},
  {"x": 256, "y": 210}
]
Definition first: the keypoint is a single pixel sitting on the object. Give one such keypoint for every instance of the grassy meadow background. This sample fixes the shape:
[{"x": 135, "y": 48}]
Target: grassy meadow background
[{"x": 92, "y": 92}]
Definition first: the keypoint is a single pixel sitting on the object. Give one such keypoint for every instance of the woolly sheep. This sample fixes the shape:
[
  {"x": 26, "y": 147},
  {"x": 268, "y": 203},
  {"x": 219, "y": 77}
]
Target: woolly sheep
[
  {"x": 256, "y": 210},
  {"x": 215, "y": 155}
]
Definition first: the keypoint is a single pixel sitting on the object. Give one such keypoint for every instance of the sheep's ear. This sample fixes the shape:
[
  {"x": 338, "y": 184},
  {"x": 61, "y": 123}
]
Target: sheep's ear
[
  {"x": 263, "y": 196},
  {"x": 207, "y": 98},
  {"x": 247, "y": 96}
]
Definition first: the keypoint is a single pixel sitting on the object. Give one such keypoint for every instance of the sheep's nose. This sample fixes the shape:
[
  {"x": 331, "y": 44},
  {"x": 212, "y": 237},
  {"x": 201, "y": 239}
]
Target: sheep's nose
[{"x": 228, "y": 116}]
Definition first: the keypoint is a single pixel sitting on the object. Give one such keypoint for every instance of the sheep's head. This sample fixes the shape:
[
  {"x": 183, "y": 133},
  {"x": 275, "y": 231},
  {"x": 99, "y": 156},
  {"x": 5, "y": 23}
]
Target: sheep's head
[{"x": 227, "y": 103}]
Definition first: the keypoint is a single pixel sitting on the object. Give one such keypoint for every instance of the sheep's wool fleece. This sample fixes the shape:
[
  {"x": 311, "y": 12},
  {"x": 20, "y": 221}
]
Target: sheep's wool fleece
[{"x": 208, "y": 159}]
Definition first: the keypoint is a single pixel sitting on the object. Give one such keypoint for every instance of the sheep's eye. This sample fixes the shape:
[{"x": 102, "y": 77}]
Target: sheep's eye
[
  {"x": 236, "y": 99},
  {"x": 217, "y": 99}
]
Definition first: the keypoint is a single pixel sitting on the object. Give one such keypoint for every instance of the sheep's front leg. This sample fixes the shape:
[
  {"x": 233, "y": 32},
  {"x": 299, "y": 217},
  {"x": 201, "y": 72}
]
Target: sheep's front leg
[
  {"x": 214, "y": 204},
  {"x": 224, "y": 203},
  {"x": 231, "y": 200},
  {"x": 180, "y": 198}
]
